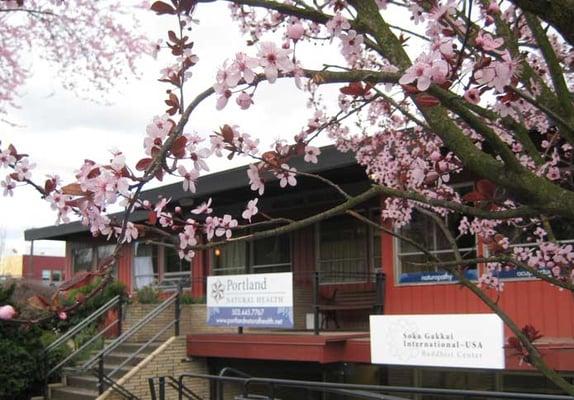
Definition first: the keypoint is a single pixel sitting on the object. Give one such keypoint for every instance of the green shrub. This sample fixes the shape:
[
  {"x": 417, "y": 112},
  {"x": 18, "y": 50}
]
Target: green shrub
[
  {"x": 189, "y": 299},
  {"x": 147, "y": 295},
  {"x": 21, "y": 361}
]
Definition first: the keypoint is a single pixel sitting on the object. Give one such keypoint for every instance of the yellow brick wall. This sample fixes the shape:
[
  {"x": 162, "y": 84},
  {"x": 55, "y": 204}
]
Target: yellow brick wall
[
  {"x": 168, "y": 359},
  {"x": 194, "y": 316},
  {"x": 193, "y": 320}
]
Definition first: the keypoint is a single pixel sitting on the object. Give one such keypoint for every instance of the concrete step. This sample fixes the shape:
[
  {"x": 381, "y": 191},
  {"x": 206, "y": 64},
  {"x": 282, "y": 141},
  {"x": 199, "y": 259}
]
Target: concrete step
[
  {"x": 120, "y": 357},
  {"x": 131, "y": 347},
  {"x": 73, "y": 393},
  {"x": 82, "y": 381}
]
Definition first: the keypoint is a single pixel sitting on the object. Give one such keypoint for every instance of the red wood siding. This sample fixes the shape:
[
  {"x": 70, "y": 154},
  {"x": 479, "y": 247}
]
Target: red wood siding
[
  {"x": 303, "y": 256},
  {"x": 125, "y": 266},
  {"x": 32, "y": 266},
  {"x": 533, "y": 302}
]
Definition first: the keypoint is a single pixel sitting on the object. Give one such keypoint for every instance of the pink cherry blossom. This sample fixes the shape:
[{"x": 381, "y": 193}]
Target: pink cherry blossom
[
  {"x": 251, "y": 209},
  {"x": 244, "y": 101},
  {"x": 337, "y": 24},
  {"x": 203, "y": 208},
  {"x": 286, "y": 176},
  {"x": 8, "y": 186},
  {"x": 295, "y": 31},
  {"x": 226, "y": 224},
  {"x": 274, "y": 60},
  {"x": 255, "y": 181},
  {"x": 311, "y": 154},
  {"x": 189, "y": 178},
  {"x": 472, "y": 95},
  {"x": 245, "y": 66},
  {"x": 6, "y": 159},
  {"x": 62, "y": 315},
  {"x": 7, "y": 312}
]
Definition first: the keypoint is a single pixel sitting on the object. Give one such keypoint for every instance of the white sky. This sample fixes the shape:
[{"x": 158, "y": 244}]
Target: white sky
[{"x": 59, "y": 130}]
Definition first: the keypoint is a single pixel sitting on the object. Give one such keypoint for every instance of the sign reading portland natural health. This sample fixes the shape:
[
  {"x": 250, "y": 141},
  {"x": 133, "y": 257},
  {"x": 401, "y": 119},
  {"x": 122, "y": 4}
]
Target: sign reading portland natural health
[
  {"x": 255, "y": 300},
  {"x": 446, "y": 340}
]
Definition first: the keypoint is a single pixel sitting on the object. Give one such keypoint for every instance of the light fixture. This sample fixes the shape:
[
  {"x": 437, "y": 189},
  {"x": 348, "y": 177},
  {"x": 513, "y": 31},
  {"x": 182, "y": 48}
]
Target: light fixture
[{"x": 217, "y": 252}]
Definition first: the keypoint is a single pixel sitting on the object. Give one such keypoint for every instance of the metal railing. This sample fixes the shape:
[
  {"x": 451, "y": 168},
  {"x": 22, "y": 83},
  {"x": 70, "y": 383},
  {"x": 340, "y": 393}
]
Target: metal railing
[
  {"x": 267, "y": 389},
  {"x": 71, "y": 334},
  {"x": 378, "y": 279},
  {"x": 97, "y": 362}
]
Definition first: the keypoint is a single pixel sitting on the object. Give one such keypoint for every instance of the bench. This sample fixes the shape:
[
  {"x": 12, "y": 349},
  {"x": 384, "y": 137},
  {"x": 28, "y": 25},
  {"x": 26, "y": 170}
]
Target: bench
[{"x": 344, "y": 300}]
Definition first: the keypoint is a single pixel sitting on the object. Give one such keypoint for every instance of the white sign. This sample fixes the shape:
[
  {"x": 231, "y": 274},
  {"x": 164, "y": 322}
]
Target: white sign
[
  {"x": 445, "y": 340},
  {"x": 254, "y": 300}
]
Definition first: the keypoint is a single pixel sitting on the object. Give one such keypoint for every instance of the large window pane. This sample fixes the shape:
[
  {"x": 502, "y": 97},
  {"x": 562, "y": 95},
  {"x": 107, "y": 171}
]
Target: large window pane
[
  {"x": 145, "y": 265},
  {"x": 82, "y": 258},
  {"x": 424, "y": 231},
  {"x": 272, "y": 254},
  {"x": 230, "y": 259},
  {"x": 175, "y": 269},
  {"x": 343, "y": 249}
]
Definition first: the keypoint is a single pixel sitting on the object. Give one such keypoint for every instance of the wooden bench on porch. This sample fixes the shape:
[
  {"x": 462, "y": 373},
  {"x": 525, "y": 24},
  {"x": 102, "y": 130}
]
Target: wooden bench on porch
[{"x": 346, "y": 299}]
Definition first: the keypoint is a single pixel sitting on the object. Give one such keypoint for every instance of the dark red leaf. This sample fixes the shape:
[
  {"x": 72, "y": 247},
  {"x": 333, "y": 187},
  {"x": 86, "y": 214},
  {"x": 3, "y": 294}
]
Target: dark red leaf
[
  {"x": 486, "y": 188},
  {"x": 227, "y": 133},
  {"x": 143, "y": 164},
  {"x": 152, "y": 217},
  {"x": 159, "y": 174},
  {"x": 426, "y": 100},
  {"x": 354, "y": 89},
  {"x": 93, "y": 173},
  {"x": 162, "y": 8},
  {"x": 187, "y": 6},
  {"x": 73, "y": 189},
  {"x": 172, "y": 36},
  {"x": 39, "y": 302},
  {"x": 49, "y": 186},
  {"x": 78, "y": 280},
  {"x": 178, "y": 148}
]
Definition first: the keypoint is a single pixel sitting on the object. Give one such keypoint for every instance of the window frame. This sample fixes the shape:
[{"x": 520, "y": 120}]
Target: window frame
[
  {"x": 397, "y": 264},
  {"x": 372, "y": 266},
  {"x": 249, "y": 267}
]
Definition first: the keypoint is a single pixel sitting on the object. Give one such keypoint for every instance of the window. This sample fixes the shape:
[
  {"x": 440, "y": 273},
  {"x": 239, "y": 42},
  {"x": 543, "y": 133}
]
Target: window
[
  {"x": 145, "y": 265},
  {"x": 50, "y": 277},
  {"x": 175, "y": 268},
  {"x": 424, "y": 231},
  {"x": 82, "y": 257},
  {"x": 267, "y": 255},
  {"x": 86, "y": 256},
  {"x": 347, "y": 249},
  {"x": 518, "y": 237}
]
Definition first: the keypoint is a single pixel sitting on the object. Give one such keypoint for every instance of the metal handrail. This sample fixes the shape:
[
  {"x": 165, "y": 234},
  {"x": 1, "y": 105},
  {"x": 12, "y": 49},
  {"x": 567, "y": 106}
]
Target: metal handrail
[
  {"x": 138, "y": 351},
  {"x": 91, "y": 318},
  {"x": 359, "y": 390},
  {"x": 81, "y": 348},
  {"x": 130, "y": 332}
]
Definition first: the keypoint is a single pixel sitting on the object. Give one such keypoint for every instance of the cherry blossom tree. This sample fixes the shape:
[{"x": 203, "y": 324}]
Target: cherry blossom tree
[
  {"x": 476, "y": 88},
  {"x": 91, "y": 44}
]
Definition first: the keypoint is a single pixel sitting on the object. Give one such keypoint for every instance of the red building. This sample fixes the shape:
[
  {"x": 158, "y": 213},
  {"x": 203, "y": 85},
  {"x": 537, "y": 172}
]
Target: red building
[{"x": 346, "y": 253}]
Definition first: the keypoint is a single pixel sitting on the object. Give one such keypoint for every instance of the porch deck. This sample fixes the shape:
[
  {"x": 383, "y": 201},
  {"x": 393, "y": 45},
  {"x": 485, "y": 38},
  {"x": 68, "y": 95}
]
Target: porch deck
[
  {"x": 338, "y": 346},
  {"x": 288, "y": 345}
]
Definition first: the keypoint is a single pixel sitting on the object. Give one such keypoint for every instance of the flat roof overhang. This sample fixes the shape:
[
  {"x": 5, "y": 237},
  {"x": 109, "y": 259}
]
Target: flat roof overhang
[{"x": 332, "y": 347}]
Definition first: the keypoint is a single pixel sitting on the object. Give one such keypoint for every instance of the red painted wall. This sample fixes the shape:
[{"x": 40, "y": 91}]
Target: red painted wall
[
  {"x": 33, "y": 265},
  {"x": 548, "y": 309}
]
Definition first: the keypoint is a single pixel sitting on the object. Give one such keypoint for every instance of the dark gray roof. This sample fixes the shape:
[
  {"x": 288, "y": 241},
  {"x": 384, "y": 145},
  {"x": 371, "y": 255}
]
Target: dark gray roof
[{"x": 208, "y": 185}]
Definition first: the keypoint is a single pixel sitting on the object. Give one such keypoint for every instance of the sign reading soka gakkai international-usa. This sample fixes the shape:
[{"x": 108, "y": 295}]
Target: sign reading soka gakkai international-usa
[
  {"x": 255, "y": 300},
  {"x": 445, "y": 340}
]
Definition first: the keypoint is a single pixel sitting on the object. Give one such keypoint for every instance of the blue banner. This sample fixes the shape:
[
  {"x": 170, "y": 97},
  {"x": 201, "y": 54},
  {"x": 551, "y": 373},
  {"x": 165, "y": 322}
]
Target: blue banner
[
  {"x": 435, "y": 276},
  {"x": 516, "y": 273},
  {"x": 259, "y": 317},
  {"x": 251, "y": 300}
]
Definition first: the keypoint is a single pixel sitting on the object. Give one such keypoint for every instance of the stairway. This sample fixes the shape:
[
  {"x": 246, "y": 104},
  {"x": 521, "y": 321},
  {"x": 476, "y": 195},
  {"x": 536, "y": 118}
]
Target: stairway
[{"x": 84, "y": 386}]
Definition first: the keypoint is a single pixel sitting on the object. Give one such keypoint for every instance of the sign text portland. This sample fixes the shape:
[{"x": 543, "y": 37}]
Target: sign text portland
[{"x": 256, "y": 300}]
